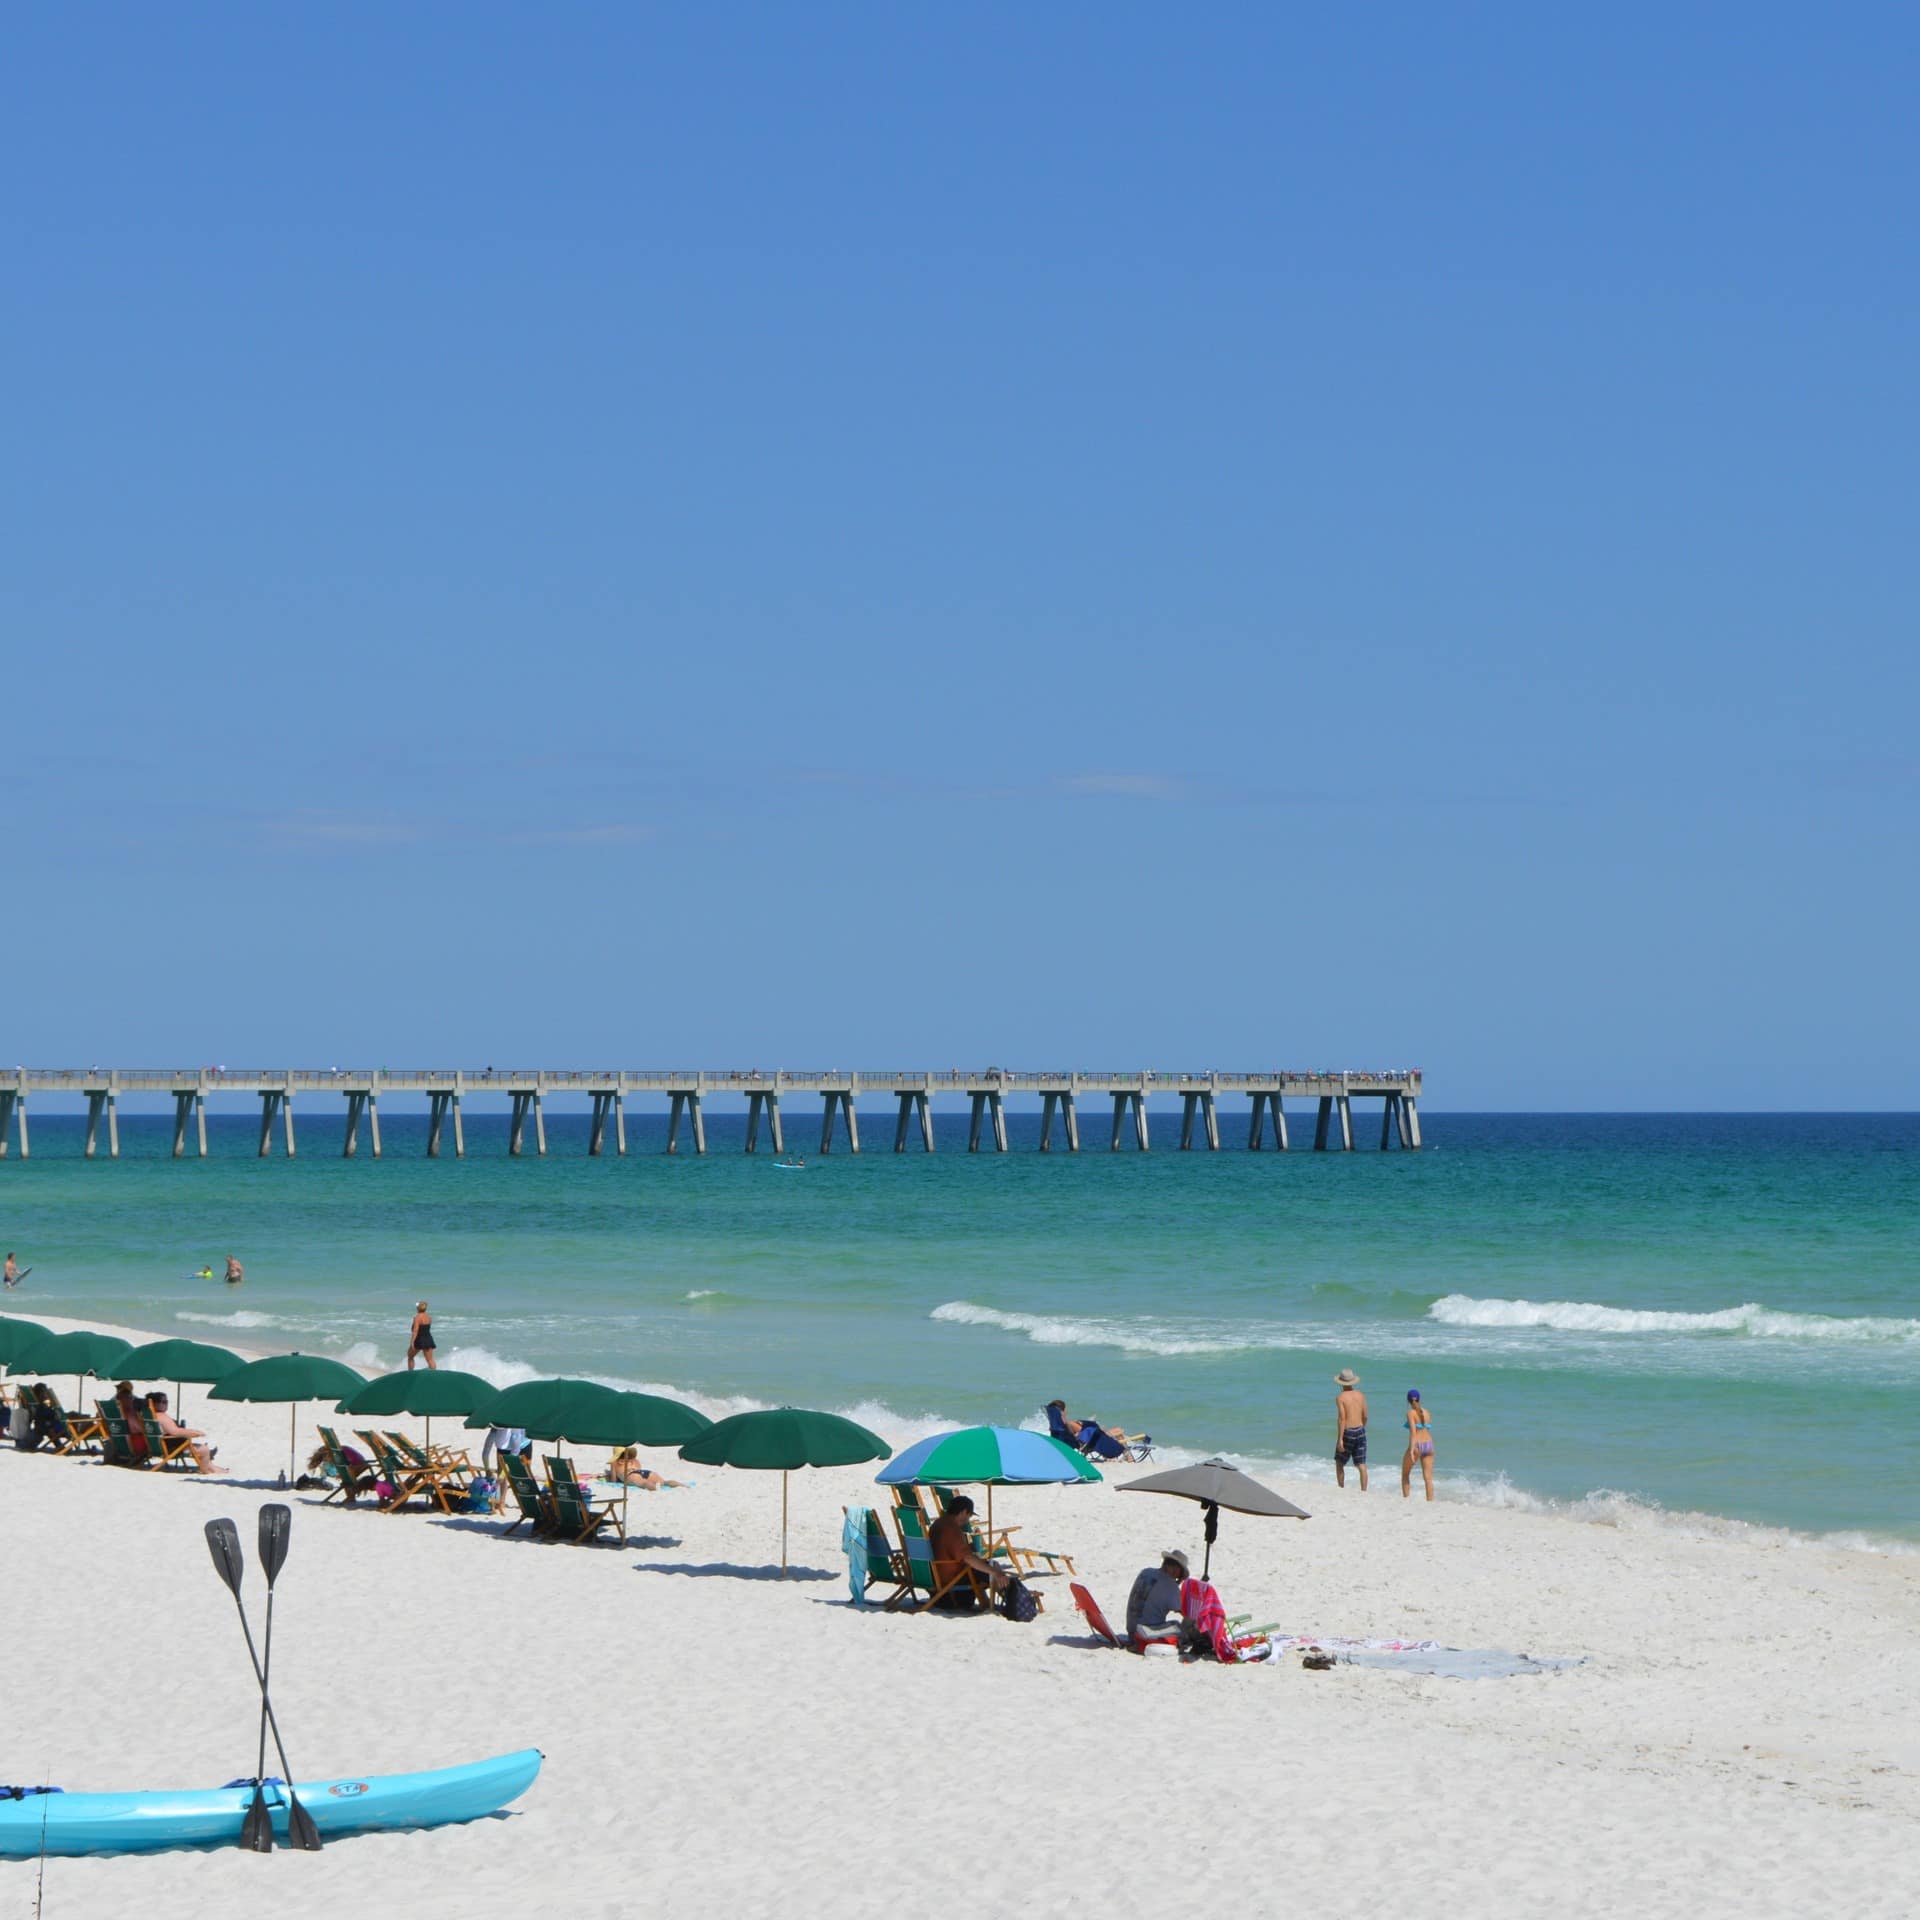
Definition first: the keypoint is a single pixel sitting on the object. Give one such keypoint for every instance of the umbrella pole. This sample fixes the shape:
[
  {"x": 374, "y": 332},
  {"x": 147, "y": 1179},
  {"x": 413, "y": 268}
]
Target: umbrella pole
[
  {"x": 293, "y": 1413},
  {"x": 783, "y": 1523}
]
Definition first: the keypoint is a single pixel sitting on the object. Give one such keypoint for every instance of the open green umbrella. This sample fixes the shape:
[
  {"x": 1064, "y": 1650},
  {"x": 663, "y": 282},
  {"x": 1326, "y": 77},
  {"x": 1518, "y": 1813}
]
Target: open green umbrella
[
  {"x": 430, "y": 1390},
  {"x": 181, "y": 1361},
  {"x": 987, "y": 1457},
  {"x": 780, "y": 1439},
  {"x": 79, "y": 1353},
  {"x": 590, "y": 1415},
  {"x": 16, "y": 1334},
  {"x": 292, "y": 1377}
]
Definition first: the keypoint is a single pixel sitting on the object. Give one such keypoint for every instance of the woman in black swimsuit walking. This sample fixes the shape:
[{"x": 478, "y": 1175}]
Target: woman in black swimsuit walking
[{"x": 420, "y": 1338}]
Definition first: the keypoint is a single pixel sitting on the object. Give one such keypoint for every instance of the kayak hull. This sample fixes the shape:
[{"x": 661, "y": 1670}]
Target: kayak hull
[{"x": 76, "y": 1823}]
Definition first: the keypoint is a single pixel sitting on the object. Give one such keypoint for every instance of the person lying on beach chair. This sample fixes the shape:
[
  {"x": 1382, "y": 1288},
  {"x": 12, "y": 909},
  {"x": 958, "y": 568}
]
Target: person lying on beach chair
[
  {"x": 350, "y": 1468},
  {"x": 1095, "y": 1441}
]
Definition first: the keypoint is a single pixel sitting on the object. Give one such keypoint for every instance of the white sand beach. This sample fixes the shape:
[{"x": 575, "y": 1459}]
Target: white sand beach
[{"x": 1740, "y": 1738}]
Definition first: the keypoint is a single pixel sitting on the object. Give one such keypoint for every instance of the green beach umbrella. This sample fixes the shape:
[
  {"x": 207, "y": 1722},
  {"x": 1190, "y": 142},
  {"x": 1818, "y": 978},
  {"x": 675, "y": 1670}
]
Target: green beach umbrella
[
  {"x": 590, "y": 1415},
  {"x": 181, "y": 1361},
  {"x": 292, "y": 1377},
  {"x": 424, "y": 1393},
  {"x": 780, "y": 1439},
  {"x": 79, "y": 1353},
  {"x": 15, "y": 1335},
  {"x": 988, "y": 1457}
]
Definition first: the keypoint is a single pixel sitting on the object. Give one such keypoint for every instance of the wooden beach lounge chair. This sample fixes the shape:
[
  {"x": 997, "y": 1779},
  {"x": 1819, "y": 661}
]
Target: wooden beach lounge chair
[
  {"x": 451, "y": 1459},
  {"x": 116, "y": 1448},
  {"x": 68, "y": 1434},
  {"x": 917, "y": 1551},
  {"x": 535, "y": 1510},
  {"x": 445, "y": 1476},
  {"x": 398, "y": 1475},
  {"x": 576, "y": 1517},
  {"x": 883, "y": 1563},
  {"x": 164, "y": 1451},
  {"x": 999, "y": 1545},
  {"x": 350, "y": 1482}
]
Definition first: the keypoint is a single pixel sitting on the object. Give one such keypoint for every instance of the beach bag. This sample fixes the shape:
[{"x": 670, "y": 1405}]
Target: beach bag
[
  {"x": 480, "y": 1497},
  {"x": 1019, "y": 1601}
]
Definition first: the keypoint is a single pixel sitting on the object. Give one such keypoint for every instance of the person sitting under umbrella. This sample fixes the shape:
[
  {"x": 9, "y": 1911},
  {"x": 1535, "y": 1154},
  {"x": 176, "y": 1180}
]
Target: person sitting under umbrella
[
  {"x": 1153, "y": 1607},
  {"x": 173, "y": 1430},
  {"x": 954, "y": 1556},
  {"x": 626, "y": 1468}
]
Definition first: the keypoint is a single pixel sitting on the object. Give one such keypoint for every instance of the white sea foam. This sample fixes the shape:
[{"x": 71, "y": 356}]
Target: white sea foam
[
  {"x": 1581, "y": 1316},
  {"x": 1061, "y": 1330},
  {"x": 703, "y": 1293},
  {"x": 493, "y": 1368},
  {"x": 1607, "y": 1507},
  {"x": 246, "y": 1317},
  {"x": 364, "y": 1357}
]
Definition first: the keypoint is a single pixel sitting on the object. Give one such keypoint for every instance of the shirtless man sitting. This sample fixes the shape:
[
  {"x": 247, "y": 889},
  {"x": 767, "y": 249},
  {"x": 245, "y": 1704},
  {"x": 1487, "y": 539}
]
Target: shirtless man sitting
[{"x": 1349, "y": 1428}]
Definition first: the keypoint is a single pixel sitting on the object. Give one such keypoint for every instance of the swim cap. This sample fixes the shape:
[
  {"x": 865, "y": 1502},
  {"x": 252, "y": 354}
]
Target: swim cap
[{"x": 1413, "y": 1393}]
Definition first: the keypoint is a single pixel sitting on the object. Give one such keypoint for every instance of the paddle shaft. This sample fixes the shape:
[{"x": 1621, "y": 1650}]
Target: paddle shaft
[{"x": 266, "y": 1705}]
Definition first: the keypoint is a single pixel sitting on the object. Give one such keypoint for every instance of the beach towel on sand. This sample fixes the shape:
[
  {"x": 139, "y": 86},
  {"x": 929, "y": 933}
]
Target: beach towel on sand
[{"x": 853, "y": 1538}]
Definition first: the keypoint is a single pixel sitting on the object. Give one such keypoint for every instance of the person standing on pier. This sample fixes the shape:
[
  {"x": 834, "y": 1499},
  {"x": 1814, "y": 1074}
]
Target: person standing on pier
[
  {"x": 420, "y": 1339},
  {"x": 1349, "y": 1428}
]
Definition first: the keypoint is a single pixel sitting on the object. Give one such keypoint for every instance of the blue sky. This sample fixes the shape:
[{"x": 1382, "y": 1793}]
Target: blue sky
[{"x": 1060, "y": 536}]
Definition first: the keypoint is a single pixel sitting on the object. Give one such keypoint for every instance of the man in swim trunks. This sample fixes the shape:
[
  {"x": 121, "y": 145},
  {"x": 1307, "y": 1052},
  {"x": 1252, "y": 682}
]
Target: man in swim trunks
[
  {"x": 1349, "y": 1428},
  {"x": 235, "y": 1271}
]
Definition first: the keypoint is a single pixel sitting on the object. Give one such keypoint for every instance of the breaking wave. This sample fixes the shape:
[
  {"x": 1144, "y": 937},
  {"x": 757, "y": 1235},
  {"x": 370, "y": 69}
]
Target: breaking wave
[
  {"x": 1581, "y": 1316},
  {"x": 246, "y": 1317},
  {"x": 1059, "y": 1330}
]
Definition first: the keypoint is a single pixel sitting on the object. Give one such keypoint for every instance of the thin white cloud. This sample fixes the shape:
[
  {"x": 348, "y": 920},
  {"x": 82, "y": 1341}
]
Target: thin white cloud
[
  {"x": 611, "y": 834},
  {"x": 309, "y": 828},
  {"x": 1130, "y": 786}
]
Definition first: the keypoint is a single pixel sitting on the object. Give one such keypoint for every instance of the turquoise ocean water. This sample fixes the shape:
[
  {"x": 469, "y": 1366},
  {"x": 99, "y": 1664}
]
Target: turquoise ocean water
[{"x": 1697, "y": 1314}]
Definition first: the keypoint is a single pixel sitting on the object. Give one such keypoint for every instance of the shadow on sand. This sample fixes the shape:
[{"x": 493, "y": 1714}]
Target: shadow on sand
[{"x": 722, "y": 1570}]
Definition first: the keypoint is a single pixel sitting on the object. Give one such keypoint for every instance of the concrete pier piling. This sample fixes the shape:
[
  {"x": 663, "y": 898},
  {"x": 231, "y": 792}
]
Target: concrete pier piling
[{"x": 687, "y": 1093}]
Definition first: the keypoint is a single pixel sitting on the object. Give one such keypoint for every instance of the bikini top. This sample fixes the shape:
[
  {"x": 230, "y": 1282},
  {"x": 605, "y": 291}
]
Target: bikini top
[{"x": 1426, "y": 1425}]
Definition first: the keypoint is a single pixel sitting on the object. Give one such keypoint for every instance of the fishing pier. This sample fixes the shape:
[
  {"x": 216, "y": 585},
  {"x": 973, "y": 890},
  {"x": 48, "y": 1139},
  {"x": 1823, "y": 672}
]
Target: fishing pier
[{"x": 687, "y": 1094}]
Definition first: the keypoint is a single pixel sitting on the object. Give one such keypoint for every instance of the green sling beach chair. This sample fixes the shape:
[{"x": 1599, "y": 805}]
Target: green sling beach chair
[
  {"x": 535, "y": 1511},
  {"x": 163, "y": 1451},
  {"x": 116, "y": 1449},
  {"x": 576, "y": 1518},
  {"x": 351, "y": 1482},
  {"x": 882, "y": 1563},
  {"x": 999, "y": 1544},
  {"x": 444, "y": 1477},
  {"x": 917, "y": 1551}
]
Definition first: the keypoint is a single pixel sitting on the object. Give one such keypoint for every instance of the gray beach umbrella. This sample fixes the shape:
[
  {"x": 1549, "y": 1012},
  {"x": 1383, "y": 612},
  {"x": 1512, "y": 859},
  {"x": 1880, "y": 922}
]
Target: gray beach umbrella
[{"x": 1215, "y": 1485}]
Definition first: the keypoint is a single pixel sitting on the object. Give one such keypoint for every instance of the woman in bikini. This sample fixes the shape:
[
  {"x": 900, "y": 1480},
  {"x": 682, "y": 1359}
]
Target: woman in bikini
[
  {"x": 1419, "y": 1445},
  {"x": 627, "y": 1469}
]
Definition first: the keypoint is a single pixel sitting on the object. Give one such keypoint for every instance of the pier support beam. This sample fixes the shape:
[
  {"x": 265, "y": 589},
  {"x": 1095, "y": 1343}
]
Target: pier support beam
[
  {"x": 687, "y": 1101},
  {"x": 103, "y": 1100},
  {"x": 1263, "y": 1103},
  {"x": 913, "y": 1105},
  {"x": 526, "y": 1101},
  {"x": 1346, "y": 1123},
  {"x": 770, "y": 1102},
  {"x": 1069, "y": 1116},
  {"x": 373, "y": 1120},
  {"x": 988, "y": 1104},
  {"x": 842, "y": 1101},
  {"x": 1322, "y": 1121},
  {"x": 276, "y": 1103},
  {"x": 1200, "y": 1101},
  {"x": 1389, "y": 1114},
  {"x": 13, "y": 1105},
  {"x": 356, "y": 1106},
  {"x": 609, "y": 1105},
  {"x": 1137, "y": 1102},
  {"x": 189, "y": 1103},
  {"x": 441, "y": 1106},
  {"x": 1410, "y": 1120}
]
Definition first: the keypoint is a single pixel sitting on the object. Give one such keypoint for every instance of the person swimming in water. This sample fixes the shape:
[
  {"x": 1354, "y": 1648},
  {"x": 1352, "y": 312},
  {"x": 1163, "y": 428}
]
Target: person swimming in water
[
  {"x": 1419, "y": 1445},
  {"x": 235, "y": 1271}
]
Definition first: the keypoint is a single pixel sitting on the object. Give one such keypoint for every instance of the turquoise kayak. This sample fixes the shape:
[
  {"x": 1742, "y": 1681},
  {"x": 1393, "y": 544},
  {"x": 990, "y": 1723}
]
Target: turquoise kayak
[{"x": 58, "y": 1823}]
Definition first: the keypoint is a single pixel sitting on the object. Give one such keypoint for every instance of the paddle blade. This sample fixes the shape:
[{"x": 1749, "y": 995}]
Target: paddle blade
[
  {"x": 275, "y": 1523},
  {"x": 301, "y": 1832},
  {"x": 223, "y": 1542},
  {"x": 256, "y": 1831}
]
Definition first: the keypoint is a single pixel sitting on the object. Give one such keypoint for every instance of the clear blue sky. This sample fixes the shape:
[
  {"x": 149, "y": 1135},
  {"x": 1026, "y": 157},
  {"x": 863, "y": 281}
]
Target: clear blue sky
[{"x": 1049, "y": 535}]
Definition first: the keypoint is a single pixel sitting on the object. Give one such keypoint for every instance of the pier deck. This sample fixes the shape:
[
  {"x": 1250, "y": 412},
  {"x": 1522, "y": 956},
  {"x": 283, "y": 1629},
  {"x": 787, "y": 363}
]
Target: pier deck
[{"x": 688, "y": 1090}]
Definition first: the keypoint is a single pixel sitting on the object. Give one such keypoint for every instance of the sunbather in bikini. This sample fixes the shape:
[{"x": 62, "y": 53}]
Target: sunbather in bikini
[
  {"x": 626, "y": 1468},
  {"x": 173, "y": 1430},
  {"x": 1419, "y": 1445}
]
